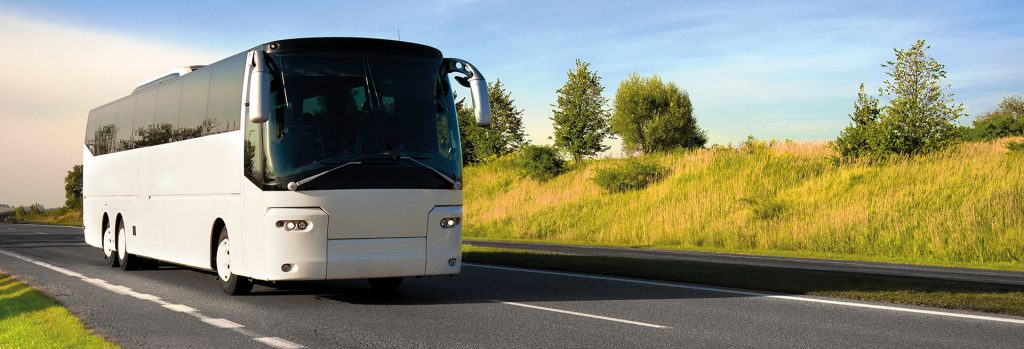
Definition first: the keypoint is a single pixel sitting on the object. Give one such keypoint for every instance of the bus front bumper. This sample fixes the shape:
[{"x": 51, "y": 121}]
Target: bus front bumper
[{"x": 309, "y": 255}]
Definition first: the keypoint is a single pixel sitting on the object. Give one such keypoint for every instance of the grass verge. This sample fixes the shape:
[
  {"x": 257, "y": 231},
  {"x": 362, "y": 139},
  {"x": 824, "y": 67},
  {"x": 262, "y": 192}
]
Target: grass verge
[
  {"x": 1002, "y": 299},
  {"x": 29, "y": 319}
]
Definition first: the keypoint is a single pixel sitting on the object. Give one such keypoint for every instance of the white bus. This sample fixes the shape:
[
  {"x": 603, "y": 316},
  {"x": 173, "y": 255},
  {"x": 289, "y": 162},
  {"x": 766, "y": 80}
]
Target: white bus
[{"x": 301, "y": 159}]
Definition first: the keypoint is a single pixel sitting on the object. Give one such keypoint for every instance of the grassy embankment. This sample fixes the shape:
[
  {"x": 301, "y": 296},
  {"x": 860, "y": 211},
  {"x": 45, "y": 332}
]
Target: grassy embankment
[
  {"x": 962, "y": 207},
  {"x": 57, "y": 216},
  {"x": 28, "y": 319}
]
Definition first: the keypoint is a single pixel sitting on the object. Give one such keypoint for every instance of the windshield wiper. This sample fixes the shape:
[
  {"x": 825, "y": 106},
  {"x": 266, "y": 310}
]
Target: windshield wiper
[{"x": 293, "y": 186}]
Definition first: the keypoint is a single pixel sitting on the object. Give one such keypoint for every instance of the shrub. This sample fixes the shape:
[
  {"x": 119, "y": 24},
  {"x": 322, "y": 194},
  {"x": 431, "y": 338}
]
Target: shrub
[
  {"x": 541, "y": 162},
  {"x": 1016, "y": 147},
  {"x": 630, "y": 175}
]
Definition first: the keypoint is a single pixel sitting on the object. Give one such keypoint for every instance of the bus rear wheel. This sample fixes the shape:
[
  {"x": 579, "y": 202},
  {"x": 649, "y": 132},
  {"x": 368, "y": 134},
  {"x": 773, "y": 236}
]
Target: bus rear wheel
[
  {"x": 109, "y": 247},
  {"x": 386, "y": 284},
  {"x": 126, "y": 260},
  {"x": 229, "y": 282}
]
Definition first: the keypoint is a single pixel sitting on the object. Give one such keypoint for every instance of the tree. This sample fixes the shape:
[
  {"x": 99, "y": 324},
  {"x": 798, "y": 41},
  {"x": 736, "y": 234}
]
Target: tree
[
  {"x": 73, "y": 188},
  {"x": 651, "y": 115},
  {"x": 1006, "y": 120},
  {"x": 856, "y": 139},
  {"x": 506, "y": 133},
  {"x": 580, "y": 118},
  {"x": 920, "y": 115}
]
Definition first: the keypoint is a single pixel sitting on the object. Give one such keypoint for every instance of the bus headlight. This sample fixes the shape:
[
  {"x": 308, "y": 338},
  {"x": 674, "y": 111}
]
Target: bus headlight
[
  {"x": 293, "y": 225},
  {"x": 449, "y": 222}
]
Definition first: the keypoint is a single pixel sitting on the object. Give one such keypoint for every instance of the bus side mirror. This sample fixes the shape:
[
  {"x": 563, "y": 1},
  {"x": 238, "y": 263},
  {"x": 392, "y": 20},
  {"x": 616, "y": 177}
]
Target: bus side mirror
[
  {"x": 256, "y": 94},
  {"x": 477, "y": 88}
]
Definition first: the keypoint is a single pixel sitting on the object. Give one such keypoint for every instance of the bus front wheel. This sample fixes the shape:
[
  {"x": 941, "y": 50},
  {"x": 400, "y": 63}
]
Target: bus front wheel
[{"x": 229, "y": 282}]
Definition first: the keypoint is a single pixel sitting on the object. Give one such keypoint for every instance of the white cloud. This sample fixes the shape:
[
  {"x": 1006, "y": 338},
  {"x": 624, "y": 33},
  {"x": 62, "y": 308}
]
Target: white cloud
[{"x": 51, "y": 76}]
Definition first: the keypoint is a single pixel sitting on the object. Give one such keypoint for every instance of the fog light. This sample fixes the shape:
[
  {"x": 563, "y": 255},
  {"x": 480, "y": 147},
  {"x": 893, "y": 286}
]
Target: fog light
[
  {"x": 289, "y": 225},
  {"x": 449, "y": 222},
  {"x": 280, "y": 224},
  {"x": 302, "y": 225},
  {"x": 451, "y": 262},
  {"x": 286, "y": 267}
]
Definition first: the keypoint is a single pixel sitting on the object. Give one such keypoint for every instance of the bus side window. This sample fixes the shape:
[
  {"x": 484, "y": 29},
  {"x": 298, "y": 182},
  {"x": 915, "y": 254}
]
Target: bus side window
[
  {"x": 192, "y": 119},
  {"x": 225, "y": 97},
  {"x": 165, "y": 122}
]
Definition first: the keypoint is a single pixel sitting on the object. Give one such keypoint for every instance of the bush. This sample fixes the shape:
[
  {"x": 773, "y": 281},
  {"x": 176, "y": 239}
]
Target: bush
[
  {"x": 1015, "y": 147},
  {"x": 631, "y": 175},
  {"x": 541, "y": 162}
]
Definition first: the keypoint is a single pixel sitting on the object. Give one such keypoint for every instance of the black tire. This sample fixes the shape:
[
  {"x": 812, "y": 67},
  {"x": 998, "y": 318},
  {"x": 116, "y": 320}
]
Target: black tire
[
  {"x": 108, "y": 243},
  {"x": 125, "y": 260},
  {"x": 229, "y": 282},
  {"x": 386, "y": 285}
]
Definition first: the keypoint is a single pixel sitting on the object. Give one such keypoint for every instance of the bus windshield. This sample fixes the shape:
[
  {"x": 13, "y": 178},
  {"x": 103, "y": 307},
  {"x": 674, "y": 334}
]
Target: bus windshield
[{"x": 334, "y": 109}]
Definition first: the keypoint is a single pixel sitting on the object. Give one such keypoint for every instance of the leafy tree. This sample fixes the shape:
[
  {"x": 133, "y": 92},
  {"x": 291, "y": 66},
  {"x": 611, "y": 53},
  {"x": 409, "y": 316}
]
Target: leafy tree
[
  {"x": 73, "y": 188},
  {"x": 856, "y": 139},
  {"x": 920, "y": 115},
  {"x": 651, "y": 115},
  {"x": 506, "y": 133},
  {"x": 580, "y": 118},
  {"x": 1006, "y": 120}
]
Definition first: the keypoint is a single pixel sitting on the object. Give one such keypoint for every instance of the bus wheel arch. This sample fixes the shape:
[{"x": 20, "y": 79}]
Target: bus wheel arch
[{"x": 218, "y": 226}]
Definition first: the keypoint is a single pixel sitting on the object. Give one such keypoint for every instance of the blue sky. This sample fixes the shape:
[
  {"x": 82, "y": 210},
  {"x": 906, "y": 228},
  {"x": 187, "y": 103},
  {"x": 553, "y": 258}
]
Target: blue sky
[{"x": 786, "y": 70}]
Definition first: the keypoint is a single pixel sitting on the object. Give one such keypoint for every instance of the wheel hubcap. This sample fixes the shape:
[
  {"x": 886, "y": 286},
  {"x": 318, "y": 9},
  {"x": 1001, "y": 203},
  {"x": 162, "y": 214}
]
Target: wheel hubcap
[
  {"x": 224, "y": 260},
  {"x": 108, "y": 242},
  {"x": 121, "y": 244}
]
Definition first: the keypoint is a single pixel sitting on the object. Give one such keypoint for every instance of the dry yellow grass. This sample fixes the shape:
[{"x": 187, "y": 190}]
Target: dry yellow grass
[{"x": 963, "y": 206}]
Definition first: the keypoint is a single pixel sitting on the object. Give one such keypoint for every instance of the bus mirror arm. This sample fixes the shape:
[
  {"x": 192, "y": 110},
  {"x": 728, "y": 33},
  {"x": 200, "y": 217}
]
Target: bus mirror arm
[
  {"x": 256, "y": 94},
  {"x": 477, "y": 88}
]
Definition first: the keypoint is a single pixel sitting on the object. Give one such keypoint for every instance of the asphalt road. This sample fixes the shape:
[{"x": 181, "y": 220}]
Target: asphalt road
[
  {"x": 484, "y": 307},
  {"x": 906, "y": 270}
]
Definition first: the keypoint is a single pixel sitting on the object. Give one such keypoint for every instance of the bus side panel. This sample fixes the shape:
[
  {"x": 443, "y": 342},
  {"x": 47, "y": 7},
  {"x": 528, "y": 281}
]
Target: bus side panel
[
  {"x": 109, "y": 185},
  {"x": 186, "y": 180}
]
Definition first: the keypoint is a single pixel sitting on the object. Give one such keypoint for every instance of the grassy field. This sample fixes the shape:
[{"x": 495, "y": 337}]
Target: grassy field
[
  {"x": 28, "y": 319},
  {"x": 928, "y": 292},
  {"x": 961, "y": 207}
]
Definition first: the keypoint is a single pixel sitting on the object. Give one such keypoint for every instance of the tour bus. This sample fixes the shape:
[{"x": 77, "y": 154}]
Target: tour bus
[{"x": 300, "y": 159}]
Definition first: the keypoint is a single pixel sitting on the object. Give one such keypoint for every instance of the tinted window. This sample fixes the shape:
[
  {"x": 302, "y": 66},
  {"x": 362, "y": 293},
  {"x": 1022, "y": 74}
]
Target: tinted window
[
  {"x": 225, "y": 102},
  {"x": 90, "y": 130},
  {"x": 192, "y": 120},
  {"x": 145, "y": 108},
  {"x": 105, "y": 134},
  {"x": 165, "y": 120},
  {"x": 124, "y": 121}
]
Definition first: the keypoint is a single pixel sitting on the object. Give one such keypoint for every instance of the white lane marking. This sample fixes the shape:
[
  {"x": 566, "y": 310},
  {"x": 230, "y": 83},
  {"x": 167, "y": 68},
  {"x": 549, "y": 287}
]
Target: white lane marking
[
  {"x": 181, "y": 308},
  {"x": 278, "y": 343},
  {"x": 758, "y": 294},
  {"x": 580, "y": 314},
  {"x": 222, "y": 323},
  {"x": 39, "y": 232}
]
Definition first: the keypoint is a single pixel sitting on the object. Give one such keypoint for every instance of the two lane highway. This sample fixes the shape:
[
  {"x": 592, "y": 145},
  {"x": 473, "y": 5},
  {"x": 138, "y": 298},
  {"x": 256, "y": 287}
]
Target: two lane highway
[{"x": 485, "y": 306}]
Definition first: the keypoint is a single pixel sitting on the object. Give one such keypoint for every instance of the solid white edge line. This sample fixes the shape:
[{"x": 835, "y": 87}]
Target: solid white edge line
[
  {"x": 755, "y": 294},
  {"x": 123, "y": 290},
  {"x": 580, "y": 314}
]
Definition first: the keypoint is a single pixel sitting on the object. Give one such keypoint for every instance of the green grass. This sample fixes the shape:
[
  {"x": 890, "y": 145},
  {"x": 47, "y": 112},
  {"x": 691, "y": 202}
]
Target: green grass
[
  {"x": 945, "y": 294},
  {"x": 28, "y": 319},
  {"x": 57, "y": 216},
  {"x": 961, "y": 207}
]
